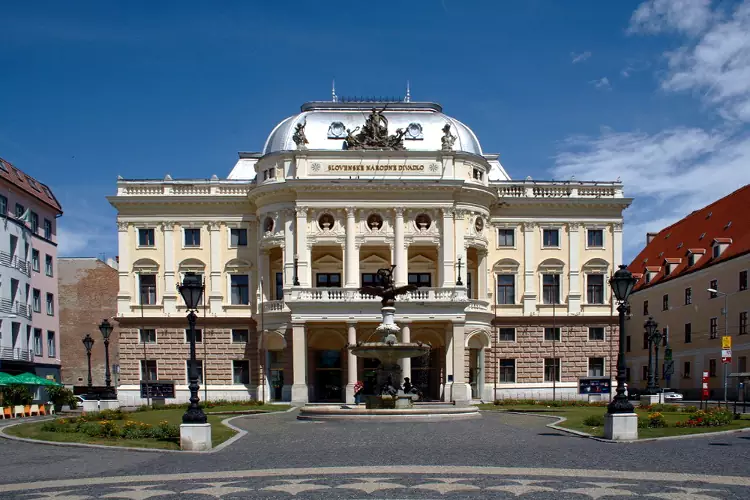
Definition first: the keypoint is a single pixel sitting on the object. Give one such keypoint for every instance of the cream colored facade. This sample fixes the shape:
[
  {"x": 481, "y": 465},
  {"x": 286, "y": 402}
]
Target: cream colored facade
[{"x": 320, "y": 221}]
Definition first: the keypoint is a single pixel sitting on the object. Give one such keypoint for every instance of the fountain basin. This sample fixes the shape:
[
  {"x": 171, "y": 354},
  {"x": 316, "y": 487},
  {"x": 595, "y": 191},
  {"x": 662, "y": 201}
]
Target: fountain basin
[
  {"x": 422, "y": 412},
  {"x": 389, "y": 354}
]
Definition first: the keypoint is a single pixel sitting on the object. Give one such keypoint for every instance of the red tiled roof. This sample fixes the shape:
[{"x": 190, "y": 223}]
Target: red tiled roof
[
  {"x": 712, "y": 222},
  {"x": 673, "y": 260},
  {"x": 28, "y": 184},
  {"x": 653, "y": 269}
]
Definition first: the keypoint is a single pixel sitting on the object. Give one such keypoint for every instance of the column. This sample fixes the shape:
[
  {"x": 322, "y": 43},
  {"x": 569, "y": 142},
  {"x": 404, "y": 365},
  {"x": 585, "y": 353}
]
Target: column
[
  {"x": 405, "y": 362},
  {"x": 214, "y": 284},
  {"x": 303, "y": 264},
  {"x": 123, "y": 269},
  {"x": 482, "y": 278},
  {"x": 299, "y": 361},
  {"x": 399, "y": 250},
  {"x": 170, "y": 286},
  {"x": 574, "y": 262},
  {"x": 448, "y": 386},
  {"x": 461, "y": 389},
  {"x": 288, "y": 248},
  {"x": 529, "y": 269},
  {"x": 351, "y": 256},
  {"x": 447, "y": 248},
  {"x": 351, "y": 363}
]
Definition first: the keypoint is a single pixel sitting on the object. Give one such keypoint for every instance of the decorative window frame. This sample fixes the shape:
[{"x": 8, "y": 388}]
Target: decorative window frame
[
  {"x": 604, "y": 365},
  {"x": 192, "y": 225},
  {"x": 556, "y": 267},
  {"x": 595, "y": 227},
  {"x": 514, "y": 228},
  {"x": 146, "y": 225},
  {"x": 548, "y": 227}
]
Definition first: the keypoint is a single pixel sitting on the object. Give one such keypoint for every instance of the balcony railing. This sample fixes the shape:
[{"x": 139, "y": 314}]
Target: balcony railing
[
  {"x": 13, "y": 261},
  {"x": 16, "y": 354},
  {"x": 558, "y": 189},
  {"x": 18, "y": 308},
  {"x": 477, "y": 305},
  {"x": 354, "y": 295}
]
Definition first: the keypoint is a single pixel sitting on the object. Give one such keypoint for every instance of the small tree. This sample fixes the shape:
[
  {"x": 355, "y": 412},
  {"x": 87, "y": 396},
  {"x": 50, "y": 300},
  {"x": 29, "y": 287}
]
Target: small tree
[
  {"x": 60, "y": 396},
  {"x": 17, "y": 394}
]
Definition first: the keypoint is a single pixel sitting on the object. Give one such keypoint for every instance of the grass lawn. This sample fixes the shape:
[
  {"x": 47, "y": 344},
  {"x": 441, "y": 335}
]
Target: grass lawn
[
  {"x": 219, "y": 432},
  {"x": 575, "y": 416}
]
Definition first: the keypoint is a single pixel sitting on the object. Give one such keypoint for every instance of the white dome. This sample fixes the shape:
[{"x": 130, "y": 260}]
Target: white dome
[{"x": 326, "y": 124}]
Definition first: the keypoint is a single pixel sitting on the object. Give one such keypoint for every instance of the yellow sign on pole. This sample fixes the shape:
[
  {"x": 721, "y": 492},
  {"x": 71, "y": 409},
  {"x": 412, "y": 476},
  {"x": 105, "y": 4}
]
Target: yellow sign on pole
[{"x": 726, "y": 342}]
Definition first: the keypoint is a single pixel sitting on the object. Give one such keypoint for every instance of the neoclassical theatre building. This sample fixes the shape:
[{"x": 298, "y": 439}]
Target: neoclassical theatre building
[{"x": 512, "y": 276}]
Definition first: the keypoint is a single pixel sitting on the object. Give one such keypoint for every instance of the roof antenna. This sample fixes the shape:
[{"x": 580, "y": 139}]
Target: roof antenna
[
  {"x": 408, "y": 92},
  {"x": 334, "y": 98}
]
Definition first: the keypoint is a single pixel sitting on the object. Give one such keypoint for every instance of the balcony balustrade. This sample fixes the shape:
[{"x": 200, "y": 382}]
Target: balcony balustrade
[
  {"x": 15, "y": 262},
  {"x": 16, "y": 354},
  {"x": 354, "y": 295},
  {"x": 18, "y": 308}
]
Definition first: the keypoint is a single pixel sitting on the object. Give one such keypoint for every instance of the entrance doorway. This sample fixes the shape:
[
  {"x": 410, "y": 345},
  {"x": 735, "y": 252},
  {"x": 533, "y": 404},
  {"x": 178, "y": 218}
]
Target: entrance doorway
[
  {"x": 425, "y": 374},
  {"x": 328, "y": 376},
  {"x": 474, "y": 375},
  {"x": 276, "y": 374}
]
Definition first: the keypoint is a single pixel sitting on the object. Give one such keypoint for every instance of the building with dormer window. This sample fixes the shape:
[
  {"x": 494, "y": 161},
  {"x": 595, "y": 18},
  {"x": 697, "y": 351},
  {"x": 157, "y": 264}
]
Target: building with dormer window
[{"x": 512, "y": 276}]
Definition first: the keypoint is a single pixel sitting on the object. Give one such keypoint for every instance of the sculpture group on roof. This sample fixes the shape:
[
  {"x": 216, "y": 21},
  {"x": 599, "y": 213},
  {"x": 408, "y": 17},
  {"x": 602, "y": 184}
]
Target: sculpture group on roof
[{"x": 374, "y": 134}]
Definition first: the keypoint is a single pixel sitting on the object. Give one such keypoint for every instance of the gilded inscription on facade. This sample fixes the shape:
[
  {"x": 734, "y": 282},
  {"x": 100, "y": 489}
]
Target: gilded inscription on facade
[{"x": 375, "y": 168}]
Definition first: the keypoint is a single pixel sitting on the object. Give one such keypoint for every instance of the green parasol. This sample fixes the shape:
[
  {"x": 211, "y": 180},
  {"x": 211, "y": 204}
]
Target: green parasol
[
  {"x": 31, "y": 379},
  {"x": 6, "y": 379}
]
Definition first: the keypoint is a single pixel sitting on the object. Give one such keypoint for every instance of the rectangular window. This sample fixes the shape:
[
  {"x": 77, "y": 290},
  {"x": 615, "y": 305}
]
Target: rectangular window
[
  {"x": 35, "y": 260},
  {"x": 596, "y": 238},
  {"x": 712, "y": 368},
  {"x": 38, "y": 344},
  {"x": 507, "y": 371},
  {"x": 507, "y": 335},
  {"x": 716, "y": 251},
  {"x": 506, "y": 237},
  {"x": 48, "y": 265},
  {"x": 50, "y": 304},
  {"x": 645, "y": 340},
  {"x": 742, "y": 364},
  {"x": 688, "y": 333},
  {"x": 743, "y": 280},
  {"x": 551, "y": 334},
  {"x": 34, "y": 222},
  {"x": 279, "y": 289},
  {"x": 595, "y": 288},
  {"x": 20, "y": 209},
  {"x": 145, "y": 237},
  {"x": 644, "y": 372},
  {"x": 714, "y": 285},
  {"x": 686, "y": 369},
  {"x": 713, "y": 328},
  {"x": 198, "y": 336},
  {"x": 645, "y": 307},
  {"x": 48, "y": 229},
  {"x": 148, "y": 336},
  {"x": 596, "y": 333},
  {"x": 665, "y": 302},
  {"x": 241, "y": 371},
  {"x": 664, "y": 336},
  {"x": 627, "y": 343},
  {"x": 551, "y": 238},
  {"x": 51, "y": 348},
  {"x": 506, "y": 289},
  {"x": 551, "y": 288},
  {"x": 596, "y": 367},
  {"x": 198, "y": 370},
  {"x": 192, "y": 237},
  {"x": 743, "y": 323},
  {"x": 147, "y": 284},
  {"x": 37, "y": 300},
  {"x": 3, "y": 205},
  {"x": 240, "y": 289},
  {"x": 148, "y": 370},
  {"x": 420, "y": 279},
  {"x": 240, "y": 336},
  {"x": 688, "y": 296},
  {"x": 551, "y": 369},
  {"x": 369, "y": 279},
  {"x": 238, "y": 237},
  {"x": 328, "y": 280}
]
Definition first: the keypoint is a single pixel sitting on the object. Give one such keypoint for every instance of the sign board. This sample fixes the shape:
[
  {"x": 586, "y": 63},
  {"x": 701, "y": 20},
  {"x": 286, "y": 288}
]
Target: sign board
[
  {"x": 668, "y": 354},
  {"x": 157, "y": 389},
  {"x": 595, "y": 385},
  {"x": 726, "y": 355},
  {"x": 668, "y": 368},
  {"x": 726, "y": 342},
  {"x": 704, "y": 393}
]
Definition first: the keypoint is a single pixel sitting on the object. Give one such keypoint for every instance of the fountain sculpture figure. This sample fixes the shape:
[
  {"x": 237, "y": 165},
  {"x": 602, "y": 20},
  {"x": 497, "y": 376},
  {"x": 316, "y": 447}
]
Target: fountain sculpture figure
[{"x": 389, "y": 350}]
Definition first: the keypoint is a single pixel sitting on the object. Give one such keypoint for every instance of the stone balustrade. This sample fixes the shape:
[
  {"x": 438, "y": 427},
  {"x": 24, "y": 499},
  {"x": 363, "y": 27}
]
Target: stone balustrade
[
  {"x": 558, "y": 189},
  {"x": 436, "y": 294}
]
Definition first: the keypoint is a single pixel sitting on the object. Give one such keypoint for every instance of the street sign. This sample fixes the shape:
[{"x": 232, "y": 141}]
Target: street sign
[
  {"x": 668, "y": 354},
  {"x": 668, "y": 368},
  {"x": 726, "y": 355},
  {"x": 726, "y": 342},
  {"x": 704, "y": 393}
]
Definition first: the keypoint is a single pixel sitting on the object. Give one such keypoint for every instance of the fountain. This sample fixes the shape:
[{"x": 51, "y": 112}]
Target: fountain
[{"x": 390, "y": 399}]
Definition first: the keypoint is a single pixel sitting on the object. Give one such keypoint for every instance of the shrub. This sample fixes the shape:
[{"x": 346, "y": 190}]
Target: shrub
[
  {"x": 594, "y": 421},
  {"x": 60, "y": 396},
  {"x": 656, "y": 420},
  {"x": 663, "y": 408},
  {"x": 690, "y": 409},
  {"x": 17, "y": 394},
  {"x": 108, "y": 428},
  {"x": 103, "y": 415},
  {"x": 715, "y": 417},
  {"x": 164, "y": 431}
]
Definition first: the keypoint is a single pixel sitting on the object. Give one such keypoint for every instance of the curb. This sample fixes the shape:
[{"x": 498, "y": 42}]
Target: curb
[
  {"x": 629, "y": 441},
  {"x": 240, "y": 433}
]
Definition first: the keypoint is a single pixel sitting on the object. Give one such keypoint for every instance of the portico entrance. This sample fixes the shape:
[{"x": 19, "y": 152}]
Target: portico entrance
[{"x": 329, "y": 376}]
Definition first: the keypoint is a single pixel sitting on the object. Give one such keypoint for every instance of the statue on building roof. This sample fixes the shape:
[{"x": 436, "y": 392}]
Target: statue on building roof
[
  {"x": 448, "y": 139},
  {"x": 299, "y": 137},
  {"x": 374, "y": 134}
]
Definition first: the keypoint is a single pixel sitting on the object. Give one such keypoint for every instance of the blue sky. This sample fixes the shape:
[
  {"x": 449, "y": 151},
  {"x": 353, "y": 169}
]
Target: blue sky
[{"x": 656, "y": 93}]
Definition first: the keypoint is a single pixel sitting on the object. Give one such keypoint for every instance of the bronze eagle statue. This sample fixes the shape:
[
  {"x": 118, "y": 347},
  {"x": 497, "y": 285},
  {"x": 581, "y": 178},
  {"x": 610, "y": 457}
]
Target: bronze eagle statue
[{"x": 385, "y": 288}]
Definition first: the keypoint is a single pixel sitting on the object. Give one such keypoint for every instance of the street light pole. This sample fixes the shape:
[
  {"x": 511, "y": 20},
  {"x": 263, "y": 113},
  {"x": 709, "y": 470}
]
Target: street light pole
[
  {"x": 726, "y": 332},
  {"x": 191, "y": 290},
  {"x": 88, "y": 343},
  {"x": 651, "y": 327},
  {"x": 106, "y": 328},
  {"x": 622, "y": 283}
]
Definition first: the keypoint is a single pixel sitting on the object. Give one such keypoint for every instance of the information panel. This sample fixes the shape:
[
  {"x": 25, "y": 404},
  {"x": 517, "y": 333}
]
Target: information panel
[
  {"x": 157, "y": 389},
  {"x": 594, "y": 385}
]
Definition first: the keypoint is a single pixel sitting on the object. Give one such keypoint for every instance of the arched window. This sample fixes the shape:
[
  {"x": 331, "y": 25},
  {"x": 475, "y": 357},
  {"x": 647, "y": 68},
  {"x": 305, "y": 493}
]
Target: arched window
[
  {"x": 594, "y": 273},
  {"x": 551, "y": 271},
  {"x": 146, "y": 271},
  {"x": 506, "y": 273}
]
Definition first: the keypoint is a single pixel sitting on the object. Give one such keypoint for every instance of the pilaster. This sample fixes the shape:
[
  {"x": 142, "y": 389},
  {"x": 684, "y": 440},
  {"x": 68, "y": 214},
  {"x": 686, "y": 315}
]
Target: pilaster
[
  {"x": 123, "y": 268},
  {"x": 170, "y": 286},
  {"x": 351, "y": 256},
  {"x": 299, "y": 361},
  {"x": 288, "y": 248},
  {"x": 303, "y": 252},
  {"x": 351, "y": 362},
  {"x": 482, "y": 278},
  {"x": 448, "y": 249},
  {"x": 399, "y": 249},
  {"x": 574, "y": 264},
  {"x": 529, "y": 265},
  {"x": 215, "y": 295}
]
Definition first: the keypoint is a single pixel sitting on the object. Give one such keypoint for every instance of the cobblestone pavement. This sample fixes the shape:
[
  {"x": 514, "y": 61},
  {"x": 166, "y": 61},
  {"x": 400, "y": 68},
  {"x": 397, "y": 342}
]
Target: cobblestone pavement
[{"x": 496, "y": 456}]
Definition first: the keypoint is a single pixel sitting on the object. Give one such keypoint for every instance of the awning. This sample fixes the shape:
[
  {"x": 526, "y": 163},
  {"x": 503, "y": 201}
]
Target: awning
[
  {"x": 6, "y": 378},
  {"x": 31, "y": 379}
]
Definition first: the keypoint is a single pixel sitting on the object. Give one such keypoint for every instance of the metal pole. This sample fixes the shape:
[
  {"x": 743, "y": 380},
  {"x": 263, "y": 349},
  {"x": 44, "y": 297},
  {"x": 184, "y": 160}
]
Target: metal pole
[
  {"x": 620, "y": 403},
  {"x": 145, "y": 358},
  {"x": 554, "y": 359},
  {"x": 107, "y": 376},
  {"x": 262, "y": 343},
  {"x": 194, "y": 413},
  {"x": 650, "y": 388},
  {"x": 91, "y": 384},
  {"x": 205, "y": 350},
  {"x": 726, "y": 332},
  {"x": 497, "y": 339}
]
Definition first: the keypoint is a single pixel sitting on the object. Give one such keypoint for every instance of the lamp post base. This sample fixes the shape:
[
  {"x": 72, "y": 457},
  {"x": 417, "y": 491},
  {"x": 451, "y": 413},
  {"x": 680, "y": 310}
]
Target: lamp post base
[
  {"x": 649, "y": 399},
  {"x": 621, "y": 426},
  {"x": 195, "y": 437}
]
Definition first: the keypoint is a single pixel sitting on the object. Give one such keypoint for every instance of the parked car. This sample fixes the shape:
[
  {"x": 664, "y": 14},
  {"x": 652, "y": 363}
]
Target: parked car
[{"x": 670, "y": 396}]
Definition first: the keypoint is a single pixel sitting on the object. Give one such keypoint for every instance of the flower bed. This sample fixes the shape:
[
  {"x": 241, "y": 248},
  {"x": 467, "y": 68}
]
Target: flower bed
[
  {"x": 97, "y": 425},
  {"x": 710, "y": 418},
  {"x": 552, "y": 404}
]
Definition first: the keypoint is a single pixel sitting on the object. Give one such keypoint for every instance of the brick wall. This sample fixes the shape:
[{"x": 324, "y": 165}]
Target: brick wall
[{"x": 87, "y": 295}]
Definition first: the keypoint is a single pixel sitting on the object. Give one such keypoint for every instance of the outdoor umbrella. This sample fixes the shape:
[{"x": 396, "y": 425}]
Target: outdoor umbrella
[
  {"x": 6, "y": 379},
  {"x": 31, "y": 379}
]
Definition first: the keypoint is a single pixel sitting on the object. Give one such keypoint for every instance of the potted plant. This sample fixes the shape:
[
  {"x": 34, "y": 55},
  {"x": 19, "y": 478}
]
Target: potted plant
[{"x": 60, "y": 396}]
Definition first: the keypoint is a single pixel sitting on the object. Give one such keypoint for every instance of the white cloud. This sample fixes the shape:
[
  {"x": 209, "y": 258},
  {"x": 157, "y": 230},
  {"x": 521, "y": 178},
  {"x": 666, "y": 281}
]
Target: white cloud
[
  {"x": 577, "y": 58},
  {"x": 686, "y": 16},
  {"x": 87, "y": 226},
  {"x": 601, "y": 83}
]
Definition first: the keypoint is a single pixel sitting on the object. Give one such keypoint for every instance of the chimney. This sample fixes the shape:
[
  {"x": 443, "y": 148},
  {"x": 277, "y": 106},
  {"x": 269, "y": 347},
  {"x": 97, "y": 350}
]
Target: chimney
[
  {"x": 650, "y": 237},
  {"x": 117, "y": 259}
]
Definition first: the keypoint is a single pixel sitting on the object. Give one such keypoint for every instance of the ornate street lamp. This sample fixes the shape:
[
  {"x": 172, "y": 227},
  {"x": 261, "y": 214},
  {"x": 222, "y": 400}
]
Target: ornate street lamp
[
  {"x": 652, "y": 327},
  {"x": 88, "y": 343},
  {"x": 191, "y": 290},
  {"x": 458, "y": 280},
  {"x": 622, "y": 283},
  {"x": 106, "y": 328},
  {"x": 296, "y": 275}
]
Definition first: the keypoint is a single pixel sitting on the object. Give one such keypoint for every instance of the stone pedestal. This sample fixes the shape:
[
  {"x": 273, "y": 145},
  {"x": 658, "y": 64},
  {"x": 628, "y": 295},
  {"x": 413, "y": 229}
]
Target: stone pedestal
[
  {"x": 195, "y": 437},
  {"x": 349, "y": 394},
  {"x": 461, "y": 393},
  {"x": 621, "y": 426},
  {"x": 90, "y": 406},
  {"x": 109, "y": 404},
  {"x": 299, "y": 394},
  {"x": 649, "y": 399}
]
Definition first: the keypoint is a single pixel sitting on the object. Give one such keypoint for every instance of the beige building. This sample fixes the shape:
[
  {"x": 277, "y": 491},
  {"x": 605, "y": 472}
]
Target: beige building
[
  {"x": 512, "y": 275},
  {"x": 708, "y": 249}
]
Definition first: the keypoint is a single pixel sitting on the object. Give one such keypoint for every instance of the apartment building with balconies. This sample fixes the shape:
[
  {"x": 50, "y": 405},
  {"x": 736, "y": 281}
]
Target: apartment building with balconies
[{"x": 29, "y": 325}]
